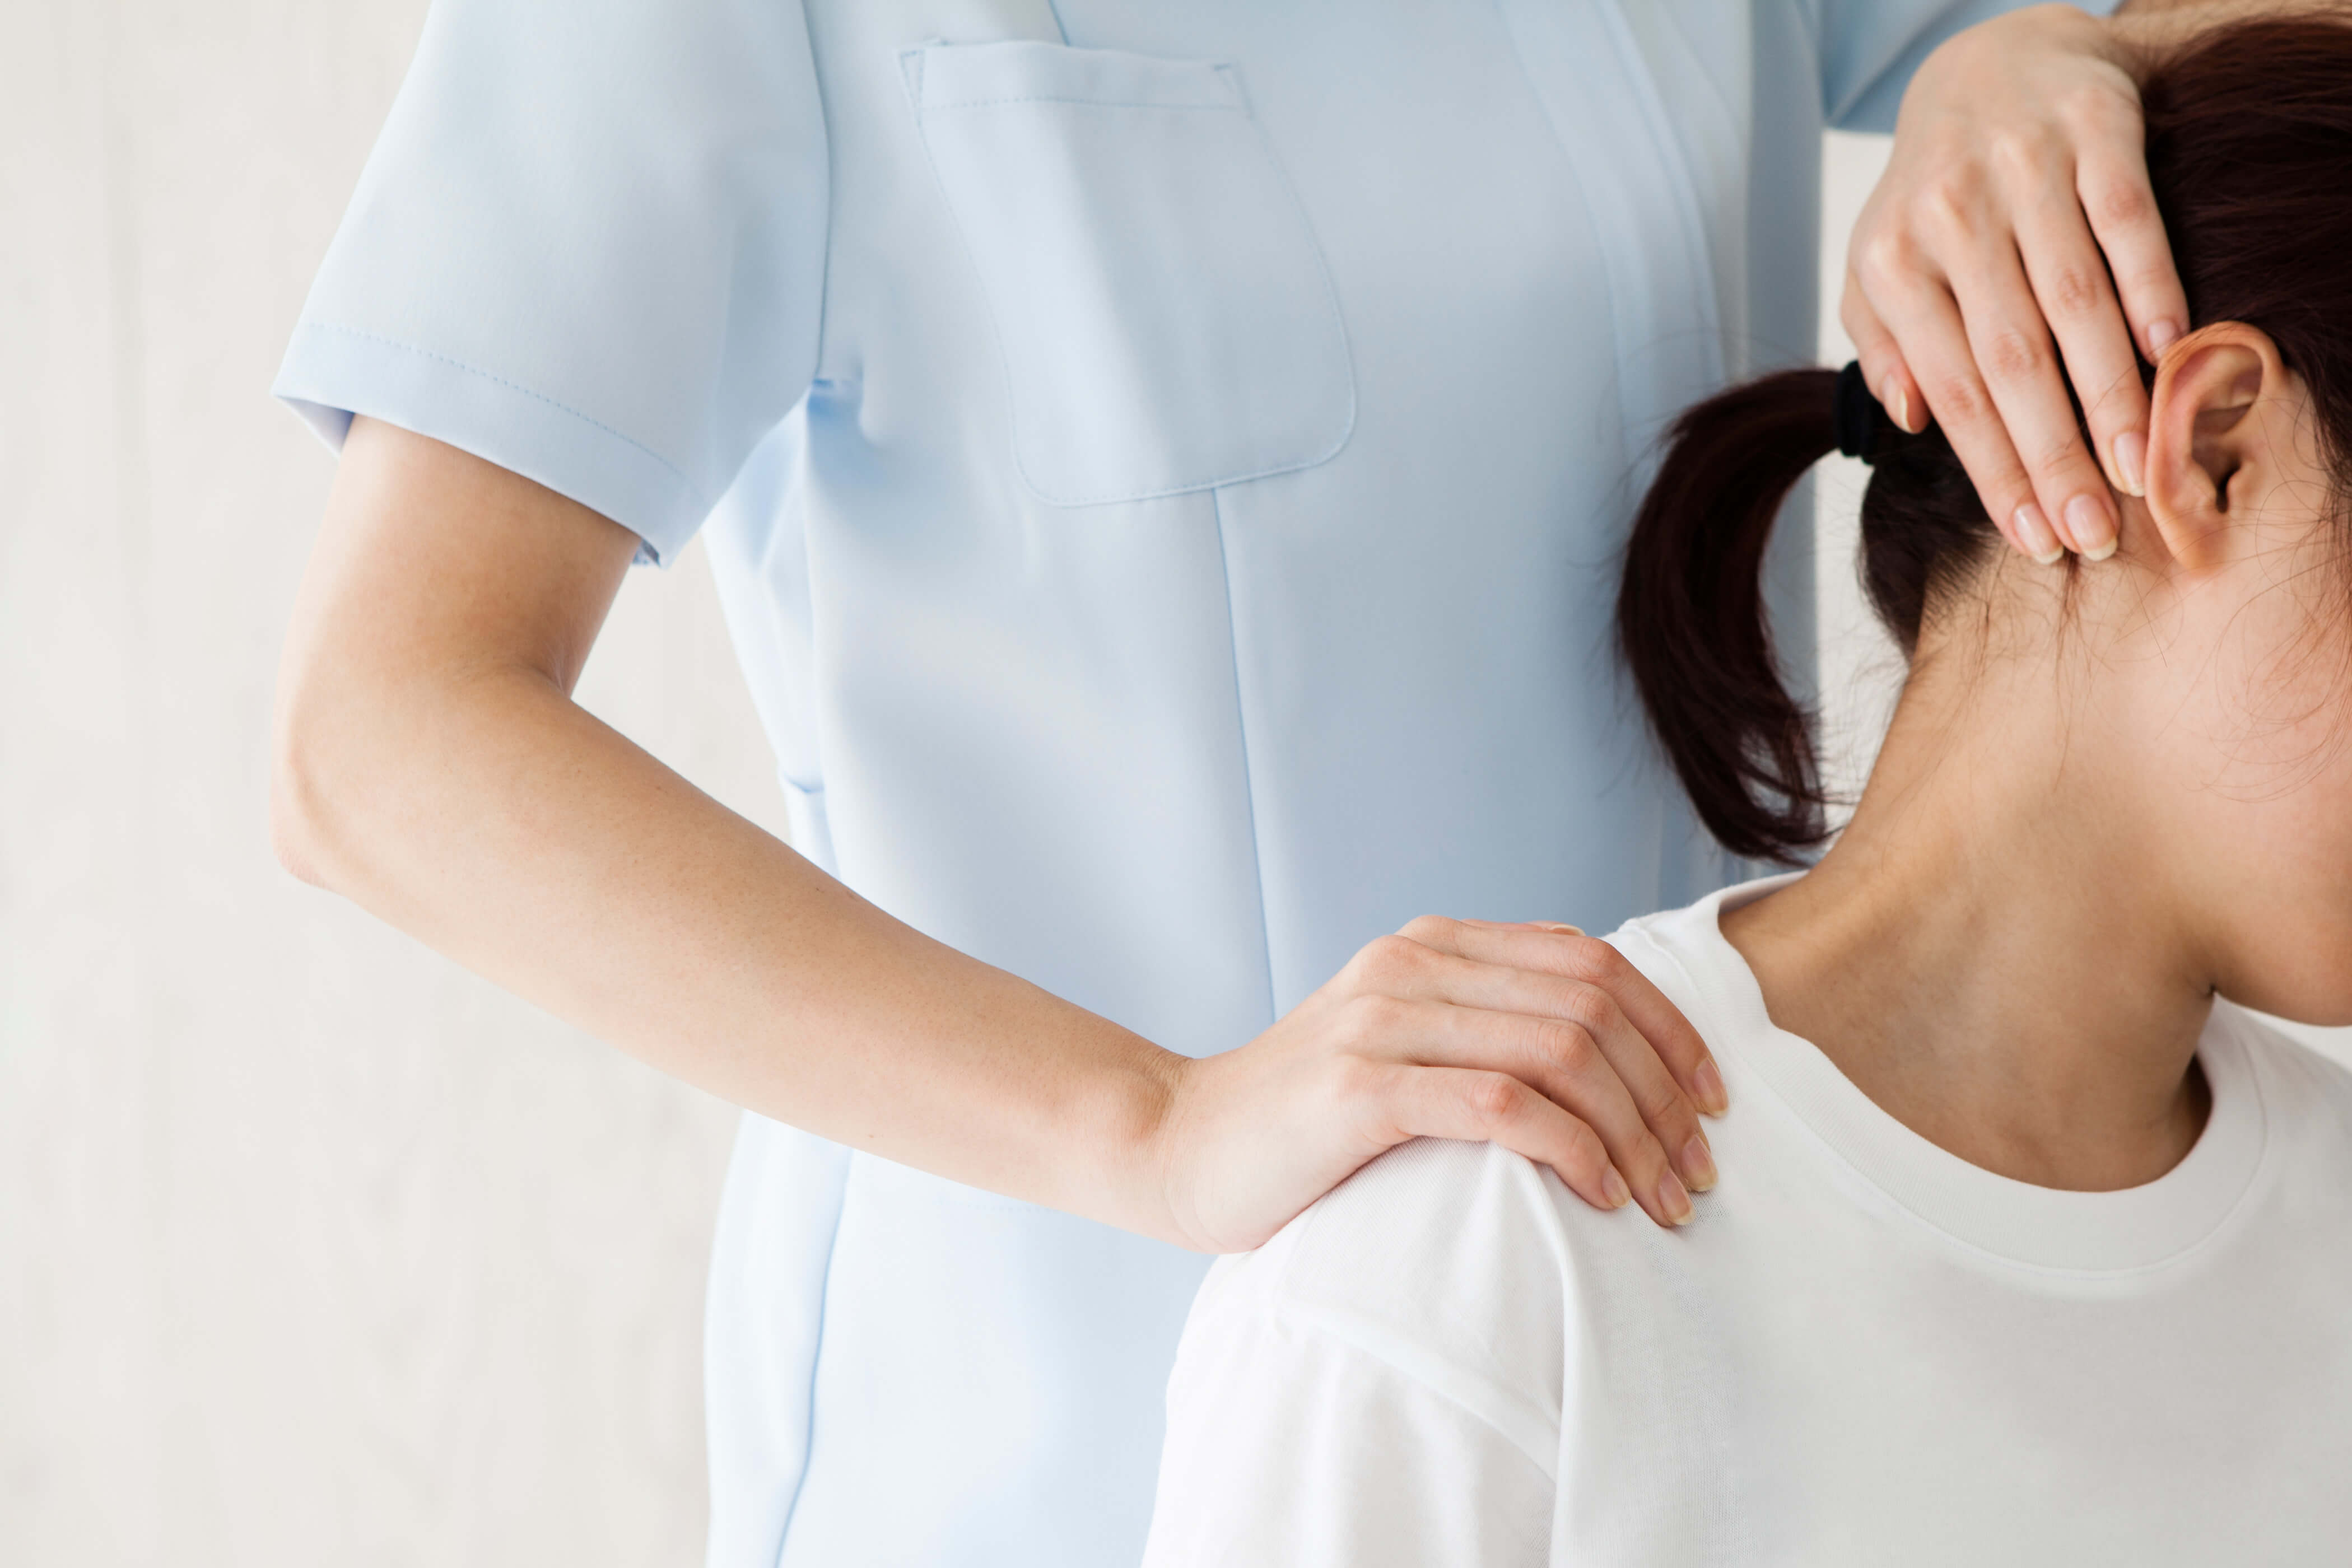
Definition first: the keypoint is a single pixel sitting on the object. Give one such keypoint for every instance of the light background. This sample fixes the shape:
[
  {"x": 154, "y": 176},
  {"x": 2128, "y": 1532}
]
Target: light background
[{"x": 313, "y": 1248}]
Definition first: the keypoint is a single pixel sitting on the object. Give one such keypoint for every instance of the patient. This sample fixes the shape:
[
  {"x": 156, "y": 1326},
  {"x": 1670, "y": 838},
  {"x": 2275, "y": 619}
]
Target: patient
[{"x": 2026, "y": 1250}]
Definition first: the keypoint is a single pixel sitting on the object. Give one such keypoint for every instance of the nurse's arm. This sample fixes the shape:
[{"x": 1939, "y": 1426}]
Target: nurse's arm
[{"x": 430, "y": 765}]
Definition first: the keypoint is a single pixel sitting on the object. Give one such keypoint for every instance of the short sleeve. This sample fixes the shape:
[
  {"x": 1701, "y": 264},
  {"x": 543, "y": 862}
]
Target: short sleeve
[
  {"x": 589, "y": 246},
  {"x": 1380, "y": 1386},
  {"x": 1870, "y": 48},
  {"x": 1295, "y": 1447}
]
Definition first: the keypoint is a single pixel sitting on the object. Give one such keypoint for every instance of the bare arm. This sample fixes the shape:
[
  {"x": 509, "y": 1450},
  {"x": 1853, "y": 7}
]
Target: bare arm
[{"x": 431, "y": 765}]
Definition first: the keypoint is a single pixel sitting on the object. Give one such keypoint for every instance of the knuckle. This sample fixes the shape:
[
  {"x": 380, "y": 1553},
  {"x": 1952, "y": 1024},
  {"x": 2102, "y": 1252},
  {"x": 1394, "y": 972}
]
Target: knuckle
[
  {"x": 1888, "y": 255},
  {"x": 1608, "y": 966},
  {"x": 2061, "y": 454},
  {"x": 2073, "y": 292},
  {"x": 2096, "y": 109},
  {"x": 1666, "y": 1112},
  {"x": 2013, "y": 355},
  {"x": 1568, "y": 1045},
  {"x": 1389, "y": 958},
  {"x": 1494, "y": 1099},
  {"x": 2119, "y": 204},
  {"x": 1956, "y": 400},
  {"x": 1589, "y": 1009},
  {"x": 2023, "y": 153},
  {"x": 1946, "y": 205},
  {"x": 1424, "y": 928},
  {"x": 1599, "y": 964}
]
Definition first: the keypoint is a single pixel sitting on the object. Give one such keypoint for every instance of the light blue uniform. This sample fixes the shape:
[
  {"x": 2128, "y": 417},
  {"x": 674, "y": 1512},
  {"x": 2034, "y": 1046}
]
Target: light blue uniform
[{"x": 1164, "y": 463}]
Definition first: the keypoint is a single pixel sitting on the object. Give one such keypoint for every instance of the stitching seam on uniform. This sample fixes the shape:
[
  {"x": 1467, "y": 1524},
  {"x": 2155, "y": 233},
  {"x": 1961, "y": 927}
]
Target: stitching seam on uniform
[
  {"x": 832, "y": 216},
  {"x": 511, "y": 386},
  {"x": 1241, "y": 728},
  {"x": 816, "y": 1353},
  {"x": 1081, "y": 103},
  {"x": 1584, "y": 199}
]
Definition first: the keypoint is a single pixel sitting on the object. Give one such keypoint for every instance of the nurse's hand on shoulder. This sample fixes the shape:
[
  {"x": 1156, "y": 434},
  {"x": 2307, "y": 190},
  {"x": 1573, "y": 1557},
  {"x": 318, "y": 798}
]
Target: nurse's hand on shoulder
[
  {"x": 2015, "y": 231},
  {"x": 1532, "y": 1036}
]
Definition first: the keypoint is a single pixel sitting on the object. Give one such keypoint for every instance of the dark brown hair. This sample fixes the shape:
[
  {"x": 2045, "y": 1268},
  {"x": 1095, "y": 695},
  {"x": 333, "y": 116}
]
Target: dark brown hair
[{"x": 2250, "y": 154}]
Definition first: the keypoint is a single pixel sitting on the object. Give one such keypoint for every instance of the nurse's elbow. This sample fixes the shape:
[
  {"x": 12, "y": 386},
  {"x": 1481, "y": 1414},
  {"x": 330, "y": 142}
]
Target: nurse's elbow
[
  {"x": 299, "y": 792},
  {"x": 317, "y": 776},
  {"x": 293, "y": 807}
]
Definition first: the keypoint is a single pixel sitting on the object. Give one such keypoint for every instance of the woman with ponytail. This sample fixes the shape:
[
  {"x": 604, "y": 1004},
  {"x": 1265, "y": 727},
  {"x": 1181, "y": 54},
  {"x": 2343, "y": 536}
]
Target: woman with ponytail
[{"x": 2031, "y": 1250}]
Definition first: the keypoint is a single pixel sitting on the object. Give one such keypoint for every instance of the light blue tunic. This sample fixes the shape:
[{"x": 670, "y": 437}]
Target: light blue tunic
[{"x": 1164, "y": 463}]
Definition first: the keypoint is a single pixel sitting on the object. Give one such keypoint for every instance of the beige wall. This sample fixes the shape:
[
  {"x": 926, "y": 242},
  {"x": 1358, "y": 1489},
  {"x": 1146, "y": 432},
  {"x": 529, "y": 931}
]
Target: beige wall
[{"x": 312, "y": 1248}]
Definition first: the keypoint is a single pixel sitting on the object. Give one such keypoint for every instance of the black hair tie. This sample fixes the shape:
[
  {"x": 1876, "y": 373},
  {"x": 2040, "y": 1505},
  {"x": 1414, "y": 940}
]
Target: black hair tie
[{"x": 1856, "y": 416}]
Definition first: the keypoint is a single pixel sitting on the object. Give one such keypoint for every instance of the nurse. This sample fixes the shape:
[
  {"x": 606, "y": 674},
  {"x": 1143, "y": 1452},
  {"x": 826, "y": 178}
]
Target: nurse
[{"x": 1161, "y": 464}]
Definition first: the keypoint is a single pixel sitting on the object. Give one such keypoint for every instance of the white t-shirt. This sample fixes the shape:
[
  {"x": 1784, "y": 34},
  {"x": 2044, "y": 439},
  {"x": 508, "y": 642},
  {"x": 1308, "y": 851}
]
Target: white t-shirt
[{"x": 1863, "y": 1350}]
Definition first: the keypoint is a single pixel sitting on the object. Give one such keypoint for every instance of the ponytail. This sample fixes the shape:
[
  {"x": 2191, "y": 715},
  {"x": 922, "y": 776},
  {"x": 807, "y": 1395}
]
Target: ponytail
[{"x": 1690, "y": 612}]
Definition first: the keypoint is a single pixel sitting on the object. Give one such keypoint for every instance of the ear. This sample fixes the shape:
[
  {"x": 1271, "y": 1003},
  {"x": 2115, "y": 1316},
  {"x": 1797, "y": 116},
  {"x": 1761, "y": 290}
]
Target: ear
[{"x": 2206, "y": 438}]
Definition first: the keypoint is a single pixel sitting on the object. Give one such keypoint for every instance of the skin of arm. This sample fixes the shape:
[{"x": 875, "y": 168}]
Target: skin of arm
[
  {"x": 2013, "y": 234},
  {"x": 430, "y": 765}
]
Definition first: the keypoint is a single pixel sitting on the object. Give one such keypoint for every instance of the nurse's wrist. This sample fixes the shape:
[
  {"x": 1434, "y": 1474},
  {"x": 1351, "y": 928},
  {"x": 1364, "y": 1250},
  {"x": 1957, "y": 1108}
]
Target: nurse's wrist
[{"x": 1124, "y": 1179}]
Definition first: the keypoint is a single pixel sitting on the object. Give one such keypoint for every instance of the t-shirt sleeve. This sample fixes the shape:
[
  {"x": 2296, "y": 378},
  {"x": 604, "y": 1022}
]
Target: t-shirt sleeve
[
  {"x": 1870, "y": 48},
  {"x": 589, "y": 246},
  {"x": 1378, "y": 1387}
]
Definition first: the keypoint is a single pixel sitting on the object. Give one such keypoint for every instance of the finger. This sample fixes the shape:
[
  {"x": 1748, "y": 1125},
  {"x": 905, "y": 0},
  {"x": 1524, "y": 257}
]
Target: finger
[
  {"x": 1588, "y": 958},
  {"x": 2070, "y": 283},
  {"x": 1892, "y": 280},
  {"x": 1556, "y": 1062},
  {"x": 1883, "y": 370},
  {"x": 1553, "y": 926},
  {"x": 1496, "y": 1108},
  {"x": 1936, "y": 346},
  {"x": 2111, "y": 182},
  {"x": 1658, "y": 1099},
  {"x": 2011, "y": 344}
]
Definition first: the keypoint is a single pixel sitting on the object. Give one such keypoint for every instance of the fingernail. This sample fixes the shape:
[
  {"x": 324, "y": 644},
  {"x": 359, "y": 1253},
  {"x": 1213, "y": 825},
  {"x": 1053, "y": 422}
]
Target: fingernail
[
  {"x": 1673, "y": 1201},
  {"x": 1899, "y": 403},
  {"x": 1613, "y": 1189},
  {"x": 2162, "y": 335},
  {"x": 1712, "y": 1097},
  {"x": 2092, "y": 526},
  {"x": 2033, "y": 530},
  {"x": 1698, "y": 1164},
  {"x": 2131, "y": 462},
  {"x": 1555, "y": 926}
]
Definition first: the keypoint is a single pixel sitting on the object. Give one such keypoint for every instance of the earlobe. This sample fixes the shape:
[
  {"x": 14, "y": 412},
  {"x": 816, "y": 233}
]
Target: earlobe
[{"x": 2198, "y": 434}]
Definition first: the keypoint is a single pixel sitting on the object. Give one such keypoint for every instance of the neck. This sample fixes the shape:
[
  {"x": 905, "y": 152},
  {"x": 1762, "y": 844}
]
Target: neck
[{"x": 1990, "y": 951}]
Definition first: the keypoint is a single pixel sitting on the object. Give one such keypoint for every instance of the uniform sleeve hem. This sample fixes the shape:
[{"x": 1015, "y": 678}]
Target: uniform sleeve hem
[{"x": 332, "y": 373}]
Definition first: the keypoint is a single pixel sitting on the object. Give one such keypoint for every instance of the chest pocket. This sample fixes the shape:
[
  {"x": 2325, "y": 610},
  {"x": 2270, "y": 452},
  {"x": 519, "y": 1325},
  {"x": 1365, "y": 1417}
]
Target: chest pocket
[{"x": 1166, "y": 318}]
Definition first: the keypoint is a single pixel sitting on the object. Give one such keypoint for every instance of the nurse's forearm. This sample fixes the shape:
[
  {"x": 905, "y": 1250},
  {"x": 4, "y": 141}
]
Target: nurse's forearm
[{"x": 432, "y": 768}]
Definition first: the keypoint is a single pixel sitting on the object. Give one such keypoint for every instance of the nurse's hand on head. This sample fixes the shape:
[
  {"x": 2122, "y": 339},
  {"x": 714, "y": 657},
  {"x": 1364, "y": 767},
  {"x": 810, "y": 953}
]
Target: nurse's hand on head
[
  {"x": 1535, "y": 1037},
  {"x": 2014, "y": 231}
]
